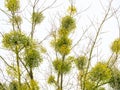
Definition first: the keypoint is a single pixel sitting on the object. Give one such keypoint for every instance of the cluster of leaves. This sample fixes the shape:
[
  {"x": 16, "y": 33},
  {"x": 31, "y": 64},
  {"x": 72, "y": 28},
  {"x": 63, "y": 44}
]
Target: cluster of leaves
[
  {"x": 81, "y": 62},
  {"x": 12, "y": 5},
  {"x": 24, "y": 86},
  {"x": 116, "y": 46},
  {"x": 68, "y": 23},
  {"x": 98, "y": 75},
  {"x": 3, "y": 86},
  {"x": 51, "y": 79},
  {"x": 12, "y": 71},
  {"x": 115, "y": 79},
  {"x": 13, "y": 85},
  {"x": 89, "y": 85},
  {"x": 37, "y": 17},
  {"x": 62, "y": 67},
  {"x": 63, "y": 43},
  {"x": 72, "y": 10},
  {"x": 15, "y": 39},
  {"x": 101, "y": 72},
  {"x": 34, "y": 84},
  {"x": 32, "y": 57},
  {"x": 17, "y": 20}
]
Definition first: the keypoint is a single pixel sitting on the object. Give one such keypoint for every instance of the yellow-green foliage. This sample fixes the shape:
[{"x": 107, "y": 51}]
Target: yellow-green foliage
[
  {"x": 89, "y": 85},
  {"x": 12, "y": 71},
  {"x": 34, "y": 85},
  {"x": 81, "y": 62},
  {"x": 101, "y": 88},
  {"x": 24, "y": 86},
  {"x": 116, "y": 46},
  {"x": 101, "y": 72},
  {"x": 12, "y": 5},
  {"x": 63, "y": 45},
  {"x": 71, "y": 58},
  {"x": 37, "y": 17},
  {"x": 115, "y": 79},
  {"x": 43, "y": 49},
  {"x": 15, "y": 38},
  {"x": 92, "y": 86},
  {"x": 68, "y": 23},
  {"x": 72, "y": 10},
  {"x": 62, "y": 67},
  {"x": 32, "y": 57},
  {"x": 3, "y": 86},
  {"x": 13, "y": 85},
  {"x": 16, "y": 20},
  {"x": 63, "y": 32},
  {"x": 51, "y": 79}
]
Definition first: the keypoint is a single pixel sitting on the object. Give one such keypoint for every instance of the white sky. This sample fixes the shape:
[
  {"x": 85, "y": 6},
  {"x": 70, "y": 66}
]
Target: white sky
[{"x": 95, "y": 13}]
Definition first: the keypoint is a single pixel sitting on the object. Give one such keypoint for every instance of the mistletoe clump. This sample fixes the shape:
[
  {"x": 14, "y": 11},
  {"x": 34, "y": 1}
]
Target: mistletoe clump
[
  {"x": 116, "y": 46},
  {"x": 37, "y": 17},
  {"x": 15, "y": 39},
  {"x": 115, "y": 79},
  {"x": 68, "y": 23},
  {"x": 62, "y": 67},
  {"x": 13, "y": 85},
  {"x": 12, "y": 5},
  {"x": 81, "y": 62},
  {"x": 72, "y": 10},
  {"x": 51, "y": 79},
  {"x": 16, "y": 19},
  {"x": 63, "y": 45},
  {"x": 32, "y": 57},
  {"x": 101, "y": 72}
]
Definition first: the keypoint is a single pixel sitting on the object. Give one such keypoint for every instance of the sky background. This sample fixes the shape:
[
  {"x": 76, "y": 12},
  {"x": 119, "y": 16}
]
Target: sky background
[{"x": 94, "y": 13}]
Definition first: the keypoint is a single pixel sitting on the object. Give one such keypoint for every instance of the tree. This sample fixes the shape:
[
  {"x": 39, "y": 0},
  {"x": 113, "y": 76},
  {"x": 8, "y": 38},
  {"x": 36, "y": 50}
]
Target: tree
[
  {"x": 18, "y": 42},
  {"x": 66, "y": 62}
]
